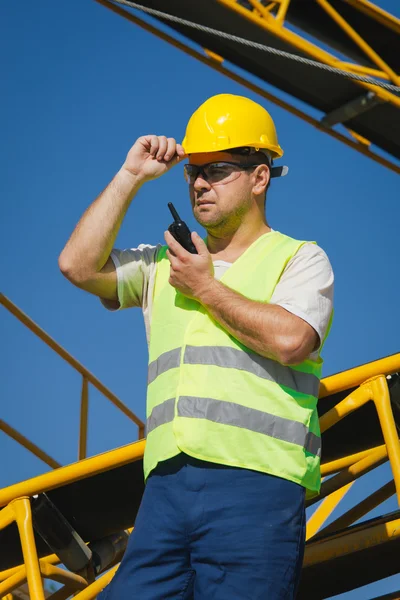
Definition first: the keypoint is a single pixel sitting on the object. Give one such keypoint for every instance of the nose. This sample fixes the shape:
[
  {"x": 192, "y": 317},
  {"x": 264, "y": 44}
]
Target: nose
[{"x": 201, "y": 183}]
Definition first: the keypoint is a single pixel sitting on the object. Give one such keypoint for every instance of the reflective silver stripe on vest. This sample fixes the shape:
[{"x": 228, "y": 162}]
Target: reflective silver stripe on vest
[
  {"x": 232, "y": 358},
  {"x": 161, "y": 414},
  {"x": 230, "y": 413},
  {"x": 166, "y": 361}
]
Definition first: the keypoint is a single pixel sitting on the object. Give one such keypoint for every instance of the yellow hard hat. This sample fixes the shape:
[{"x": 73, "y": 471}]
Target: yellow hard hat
[{"x": 227, "y": 121}]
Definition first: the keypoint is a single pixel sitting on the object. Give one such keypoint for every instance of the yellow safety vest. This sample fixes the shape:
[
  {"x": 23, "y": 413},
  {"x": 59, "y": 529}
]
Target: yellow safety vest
[{"x": 212, "y": 397}]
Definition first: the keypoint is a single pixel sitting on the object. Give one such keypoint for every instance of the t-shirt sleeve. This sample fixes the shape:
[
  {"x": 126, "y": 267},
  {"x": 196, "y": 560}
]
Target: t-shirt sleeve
[
  {"x": 134, "y": 267},
  {"x": 306, "y": 288}
]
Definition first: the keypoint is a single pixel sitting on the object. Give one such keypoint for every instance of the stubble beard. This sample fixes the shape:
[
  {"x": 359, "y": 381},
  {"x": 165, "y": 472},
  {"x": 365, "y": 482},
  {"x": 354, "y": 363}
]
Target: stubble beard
[{"x": 223, "y": 225}]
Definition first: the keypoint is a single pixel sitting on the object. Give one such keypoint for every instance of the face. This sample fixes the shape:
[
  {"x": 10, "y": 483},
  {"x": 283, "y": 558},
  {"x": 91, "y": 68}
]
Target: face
[{"x": 221, "y": 200}]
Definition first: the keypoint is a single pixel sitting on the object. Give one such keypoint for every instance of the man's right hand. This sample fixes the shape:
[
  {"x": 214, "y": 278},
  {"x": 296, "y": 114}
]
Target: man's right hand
[
  {"x": 152, "y": 156},
  {"x": 85, "y": 260}
]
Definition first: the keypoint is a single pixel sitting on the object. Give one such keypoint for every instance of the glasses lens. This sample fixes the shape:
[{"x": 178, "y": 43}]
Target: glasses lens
[
  {"x": 190, "y": 172},
  {"x": 216, "y": 172}
]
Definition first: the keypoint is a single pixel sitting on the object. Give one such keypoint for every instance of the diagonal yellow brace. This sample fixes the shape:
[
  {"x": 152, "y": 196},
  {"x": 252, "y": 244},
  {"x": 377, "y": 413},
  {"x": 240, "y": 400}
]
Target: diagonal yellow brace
[
  {"x": 361, "y": 509},
  {"x": 348, "y": 405},
  {"x": 51, "y": 559},
  {"x": 324, "y": 510},
  {"x": 342, "y": 463},
  {"x": 305, "y": 46},
  {"x": 376, "y": 13},
  {"x": 72, "y": 580},
  {"x": 97, "y": 586},
  {"x": 374, "y": 459},
  {"x": 281, "y": 14},
  {"x": 13, "y": 582},
  {"x": 263, "y": 10},
  {"x": 357, "y": 39},
  {"x": 361, "y": 139},
  {"x": 7, "y": 516}
]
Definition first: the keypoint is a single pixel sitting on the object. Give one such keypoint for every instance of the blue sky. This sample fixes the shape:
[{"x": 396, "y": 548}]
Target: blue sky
[{"x": 80, "y": 85}]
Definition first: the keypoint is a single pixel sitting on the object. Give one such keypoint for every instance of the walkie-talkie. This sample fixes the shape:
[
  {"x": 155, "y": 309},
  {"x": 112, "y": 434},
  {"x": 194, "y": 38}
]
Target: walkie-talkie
[{"x": 180, "y": 231}]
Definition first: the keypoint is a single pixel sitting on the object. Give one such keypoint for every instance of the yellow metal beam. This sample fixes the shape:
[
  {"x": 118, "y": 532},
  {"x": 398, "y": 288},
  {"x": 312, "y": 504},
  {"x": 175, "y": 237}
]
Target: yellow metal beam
[
  {"x": 352, "y": 402},
  {"x": 324, "y": 510},
  {"x": 30, "y": 324},
  {"x": 23, "y": 441},
  {"x": 7, "y": 517},
  {"x": 345, "y": 543},
  {"x": 264, "y": 11},
  {"x": 375, "y": 390},
  {"x": 51, "y": 559},
  {"x": 254, "y": 88},
  {"x": 305, "y": 47},
  {"x": 283, "y": 34},
  {"x": 381, "y": 398},
  {"x": 72, "y": 580},
  {"x": 363, "y": 70},
  {"x": 354, "y": 377},
  {"x": 281, "y": 14},
  {"x": 361, "y": 509},
  {"x": 214, "y": 56},
  {"x": 23, "y": 517},
  {"x": 73, "y": 472},
  {"x": 97, "y": 586},
  {"x": 376, "y": 13},
  {"x": 353, "y": 472},
  {"x": 357, "y": 39},
  {"x": 271, "y": 5},
  {"x": 359, "y": 138},
  {"x": 13, "y": 582},
  {"x": 342, "y": 463}
]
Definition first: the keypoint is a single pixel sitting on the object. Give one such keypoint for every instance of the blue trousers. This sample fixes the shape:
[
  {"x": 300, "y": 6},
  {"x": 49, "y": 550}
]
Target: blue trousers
[{"x": 207, "y": 531}]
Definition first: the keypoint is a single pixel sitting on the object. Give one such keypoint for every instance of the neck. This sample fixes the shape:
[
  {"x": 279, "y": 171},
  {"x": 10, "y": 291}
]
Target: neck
[{"x": 230, "y": 245}]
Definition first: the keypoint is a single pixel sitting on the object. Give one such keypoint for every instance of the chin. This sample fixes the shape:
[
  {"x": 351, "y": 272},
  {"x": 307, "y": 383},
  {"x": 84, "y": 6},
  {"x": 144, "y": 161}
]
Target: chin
[
  {"x": 206, "y": 214},
  {"x": 210, "y": 224}
]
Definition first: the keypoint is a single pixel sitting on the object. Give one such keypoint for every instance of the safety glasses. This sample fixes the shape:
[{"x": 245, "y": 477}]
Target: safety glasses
[{"x": 215, "y": 172}]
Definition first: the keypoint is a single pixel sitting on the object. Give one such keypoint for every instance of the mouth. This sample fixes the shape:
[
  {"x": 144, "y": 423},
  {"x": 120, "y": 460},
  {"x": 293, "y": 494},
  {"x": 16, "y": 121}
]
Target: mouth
[{"x": 204, "y": 203}]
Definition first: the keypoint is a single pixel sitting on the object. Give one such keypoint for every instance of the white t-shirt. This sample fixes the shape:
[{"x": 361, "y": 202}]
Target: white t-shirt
[{"x": 305, "y": 288}]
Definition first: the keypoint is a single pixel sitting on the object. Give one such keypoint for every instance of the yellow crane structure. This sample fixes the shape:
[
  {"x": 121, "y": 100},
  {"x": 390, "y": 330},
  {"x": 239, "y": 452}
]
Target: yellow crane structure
[
  {"x": 364, "y": 42},
  {"x": 80, "y": 515}
]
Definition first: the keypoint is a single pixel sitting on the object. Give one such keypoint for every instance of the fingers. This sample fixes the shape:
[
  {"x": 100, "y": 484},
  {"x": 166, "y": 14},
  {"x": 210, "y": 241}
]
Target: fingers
[
  {"x": 173, "y": 260},
  {"x": 199, "y": 243},
  {"x": 153, "y": 144},
  {"x": 163, "y": 148},
  {"x": 175, "y": 248},
  {"x": 180, "y": 151},
  {"x": 171, "y": 149}
]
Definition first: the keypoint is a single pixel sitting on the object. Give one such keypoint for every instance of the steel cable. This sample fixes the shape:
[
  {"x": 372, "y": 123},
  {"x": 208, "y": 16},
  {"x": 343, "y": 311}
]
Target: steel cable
[{"x": 239, "y": 40}]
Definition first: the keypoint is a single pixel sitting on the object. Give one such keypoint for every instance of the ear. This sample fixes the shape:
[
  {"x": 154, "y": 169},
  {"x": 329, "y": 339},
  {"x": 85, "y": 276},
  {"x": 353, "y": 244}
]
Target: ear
[{"x": 262, "y": 176}]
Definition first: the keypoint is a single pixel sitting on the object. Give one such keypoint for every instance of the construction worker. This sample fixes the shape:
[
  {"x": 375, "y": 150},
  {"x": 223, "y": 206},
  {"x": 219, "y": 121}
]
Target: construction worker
[{"x": 235, "y": 333}]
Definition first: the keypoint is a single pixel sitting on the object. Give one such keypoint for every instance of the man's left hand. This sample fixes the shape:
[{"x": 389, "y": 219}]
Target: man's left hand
[{"x": 191, "y": 274}]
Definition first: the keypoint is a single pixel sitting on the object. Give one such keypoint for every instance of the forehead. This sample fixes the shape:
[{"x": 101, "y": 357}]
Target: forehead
[{"x": 203, "y": 158}]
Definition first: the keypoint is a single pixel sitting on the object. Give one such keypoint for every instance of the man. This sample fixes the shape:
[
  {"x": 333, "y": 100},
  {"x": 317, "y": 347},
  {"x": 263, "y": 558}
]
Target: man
[{"x": 235, "y": 333}]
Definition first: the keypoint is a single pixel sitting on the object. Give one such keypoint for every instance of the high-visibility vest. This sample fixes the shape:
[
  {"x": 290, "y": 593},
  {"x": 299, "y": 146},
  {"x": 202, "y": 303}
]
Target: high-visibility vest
[{"x": 212, "y": 397}]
